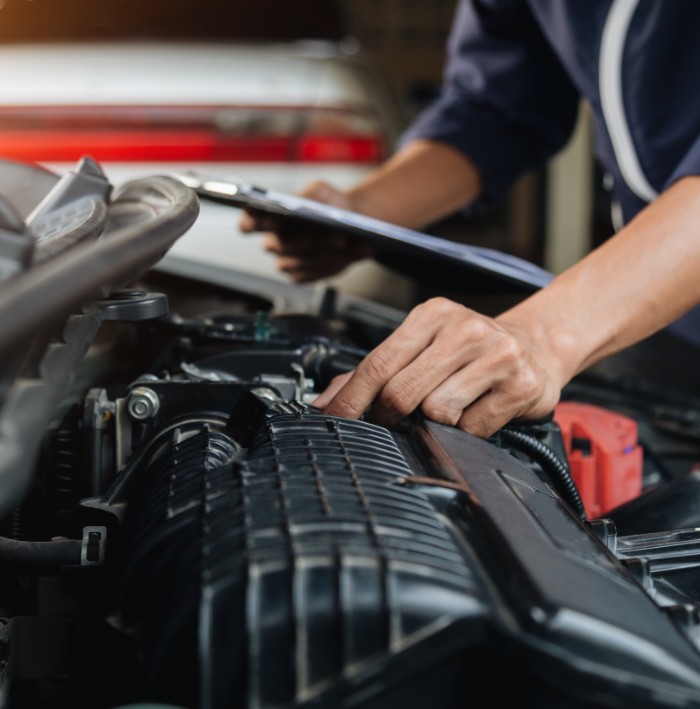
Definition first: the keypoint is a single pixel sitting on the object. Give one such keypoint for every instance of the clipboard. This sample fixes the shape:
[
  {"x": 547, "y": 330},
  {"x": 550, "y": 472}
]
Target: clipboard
[{"x": 460, "y": 260}]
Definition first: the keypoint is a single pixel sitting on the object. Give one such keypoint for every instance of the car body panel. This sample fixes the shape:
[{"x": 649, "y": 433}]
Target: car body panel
[{"x": 214, "y": 74}]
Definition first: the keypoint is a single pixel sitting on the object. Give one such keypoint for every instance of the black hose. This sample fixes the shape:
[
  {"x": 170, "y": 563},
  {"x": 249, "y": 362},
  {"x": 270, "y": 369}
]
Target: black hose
[
  {"x": 40, "y": 557},
  {"x": 24, "y": 583},
  {"x": 352, "y": 350},
  {"x": 550, "y": 463},
  {"x": 326, "y": 360}
]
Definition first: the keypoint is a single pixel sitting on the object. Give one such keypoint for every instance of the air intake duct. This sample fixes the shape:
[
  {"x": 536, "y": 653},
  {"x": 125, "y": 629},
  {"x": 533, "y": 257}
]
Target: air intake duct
[{"x": 297, "y": 572}]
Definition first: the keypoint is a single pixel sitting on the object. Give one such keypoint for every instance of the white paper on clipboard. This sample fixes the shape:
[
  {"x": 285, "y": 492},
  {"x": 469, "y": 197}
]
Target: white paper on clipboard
[{"x": 383, "y": 234}]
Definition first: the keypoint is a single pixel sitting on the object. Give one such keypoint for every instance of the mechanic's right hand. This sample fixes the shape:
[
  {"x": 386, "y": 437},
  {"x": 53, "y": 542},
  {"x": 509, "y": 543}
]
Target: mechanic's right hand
[
  {"x": 308, "y": 254},
  {"x": 459, "y": 367}
]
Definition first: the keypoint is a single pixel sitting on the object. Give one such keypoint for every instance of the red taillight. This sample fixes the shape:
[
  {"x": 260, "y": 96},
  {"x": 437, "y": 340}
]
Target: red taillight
[
  {"x": 330, "y": 148},
  {"x": 184, "y": 134},
  {"x": 139, "y": 146}
]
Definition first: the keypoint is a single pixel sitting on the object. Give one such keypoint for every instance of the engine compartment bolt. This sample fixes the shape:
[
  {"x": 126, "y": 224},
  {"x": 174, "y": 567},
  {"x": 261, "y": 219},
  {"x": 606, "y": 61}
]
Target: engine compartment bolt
[{"x": 143, "y": 404}]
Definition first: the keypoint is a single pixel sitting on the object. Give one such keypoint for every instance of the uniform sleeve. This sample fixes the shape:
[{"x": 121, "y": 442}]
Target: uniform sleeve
[
  {"x": 689, "y": 165},
  {"x": 506, "y": 101}
]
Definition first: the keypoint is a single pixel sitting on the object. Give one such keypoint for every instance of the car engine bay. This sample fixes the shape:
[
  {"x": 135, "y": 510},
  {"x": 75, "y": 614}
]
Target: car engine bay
[{"x": 181, "y": 525}]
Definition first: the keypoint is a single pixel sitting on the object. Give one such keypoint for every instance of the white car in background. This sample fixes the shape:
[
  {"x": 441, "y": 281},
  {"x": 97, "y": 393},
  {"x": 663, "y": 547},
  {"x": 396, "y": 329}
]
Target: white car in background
[{"x": 270, "y": 93}]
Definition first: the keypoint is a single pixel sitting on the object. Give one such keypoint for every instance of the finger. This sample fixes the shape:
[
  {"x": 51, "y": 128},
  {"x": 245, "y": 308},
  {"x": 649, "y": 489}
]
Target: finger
[
  {"x": 500, "y": 405},
  {"x": 312, "y": 266},
  {"x": 404, "y": 393},
  {"x": 312, "y": 276},
  {"x": 313, "y": 261},
  {"x": 304, "y": 270},
  {"x": 246, "y": 223},
  {"x": 381, "y": 365},
  {"x": 447, "y": 403},
  {"x": 489, "y": 397},
  {"x": 464, "y": 340},
  {"x": 301, "y": 243},
  {"x": 287, "y": 244},
  {"x": 486, "y": 415},
  {"x": 271, "y": 242},
  {"x": 497, "y": 370},
  {"x": 323, "y": 192},
  {"x": 256, "y": 221},
  {"x": 337, "y": 383}
]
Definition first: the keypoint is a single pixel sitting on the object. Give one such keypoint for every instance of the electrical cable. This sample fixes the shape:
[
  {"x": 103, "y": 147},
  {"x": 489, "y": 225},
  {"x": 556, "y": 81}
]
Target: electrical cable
[{"x": 550, "y": 462}]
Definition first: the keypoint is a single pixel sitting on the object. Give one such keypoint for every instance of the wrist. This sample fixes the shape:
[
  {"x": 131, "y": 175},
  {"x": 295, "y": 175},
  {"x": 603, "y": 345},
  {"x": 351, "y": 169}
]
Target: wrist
[
  {"x": 363, "y": 200},
  {"x": 556, "y": 345}
]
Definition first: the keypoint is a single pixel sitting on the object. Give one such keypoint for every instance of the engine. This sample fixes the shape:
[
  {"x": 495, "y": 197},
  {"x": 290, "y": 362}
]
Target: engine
[
  {"x": 254, "y": 552},
  {"x": 193, "y": 531}
]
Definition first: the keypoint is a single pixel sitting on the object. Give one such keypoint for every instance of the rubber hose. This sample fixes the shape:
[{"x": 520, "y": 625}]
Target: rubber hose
[
  {"x": 549, "y": 462},
  {"x": 351, "y": 350},
  {"x": 32, "y": 557}
]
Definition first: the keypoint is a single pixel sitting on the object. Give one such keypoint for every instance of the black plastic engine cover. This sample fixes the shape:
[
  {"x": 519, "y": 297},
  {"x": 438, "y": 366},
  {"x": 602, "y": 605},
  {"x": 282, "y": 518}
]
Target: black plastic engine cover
[
  {"x": 332, "y": 563},
  {"x": 299, "y": 571}
]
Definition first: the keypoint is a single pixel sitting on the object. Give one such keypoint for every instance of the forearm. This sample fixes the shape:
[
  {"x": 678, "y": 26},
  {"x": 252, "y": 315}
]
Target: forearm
[
  {"x": 423, "y": 182},
  {"x": 467, "y": 370},
  {"x": 636, "y": 283}
]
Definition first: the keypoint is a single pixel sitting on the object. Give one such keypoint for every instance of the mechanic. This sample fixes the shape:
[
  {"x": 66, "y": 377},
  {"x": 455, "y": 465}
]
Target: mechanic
[{"x": 515, "y": 72}]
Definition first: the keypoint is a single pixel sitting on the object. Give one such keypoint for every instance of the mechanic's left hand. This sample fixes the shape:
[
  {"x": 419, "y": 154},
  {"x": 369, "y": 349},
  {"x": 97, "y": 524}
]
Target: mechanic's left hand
[
  {"x": 303, "y": 252},
  {"x": 462, "y": 368}
]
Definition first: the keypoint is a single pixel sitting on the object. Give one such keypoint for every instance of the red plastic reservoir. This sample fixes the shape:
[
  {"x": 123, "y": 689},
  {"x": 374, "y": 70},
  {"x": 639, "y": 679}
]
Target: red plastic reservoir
[{"x": 605, "y": 458}]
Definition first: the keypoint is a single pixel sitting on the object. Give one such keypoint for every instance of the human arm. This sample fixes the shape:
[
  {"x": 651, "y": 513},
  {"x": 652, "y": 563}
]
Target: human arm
[
  {"x": 506, "y": 106},
  {"x": 422, "y": 182},
  {"x": 478, "y": 373}
]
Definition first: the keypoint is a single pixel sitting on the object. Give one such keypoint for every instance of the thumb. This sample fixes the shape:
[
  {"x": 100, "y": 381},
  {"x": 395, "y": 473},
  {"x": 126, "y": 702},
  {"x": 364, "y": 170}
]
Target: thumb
[
  {"x": 323, "y": 192},
  {"x": 247, "y": 223}
]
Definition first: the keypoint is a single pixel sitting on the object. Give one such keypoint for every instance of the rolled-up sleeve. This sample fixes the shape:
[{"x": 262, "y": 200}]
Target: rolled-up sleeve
[
  {"x": 688, "y": 166},
  {"x": 506, "y": 101}
]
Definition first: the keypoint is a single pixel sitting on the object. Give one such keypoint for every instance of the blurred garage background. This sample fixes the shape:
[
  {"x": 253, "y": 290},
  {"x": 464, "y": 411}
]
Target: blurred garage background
[{"x": 269, "y": 92}]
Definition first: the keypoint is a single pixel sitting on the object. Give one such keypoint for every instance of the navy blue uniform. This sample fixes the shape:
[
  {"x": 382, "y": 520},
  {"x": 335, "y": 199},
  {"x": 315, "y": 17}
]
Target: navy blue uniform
[{"x": 516, "y": 70}]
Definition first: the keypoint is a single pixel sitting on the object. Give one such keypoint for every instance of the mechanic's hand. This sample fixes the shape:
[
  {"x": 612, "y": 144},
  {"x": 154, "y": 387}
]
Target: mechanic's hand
[
  {"x": 462, "y": 368},
  {"x": 307, "y": 254}
]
